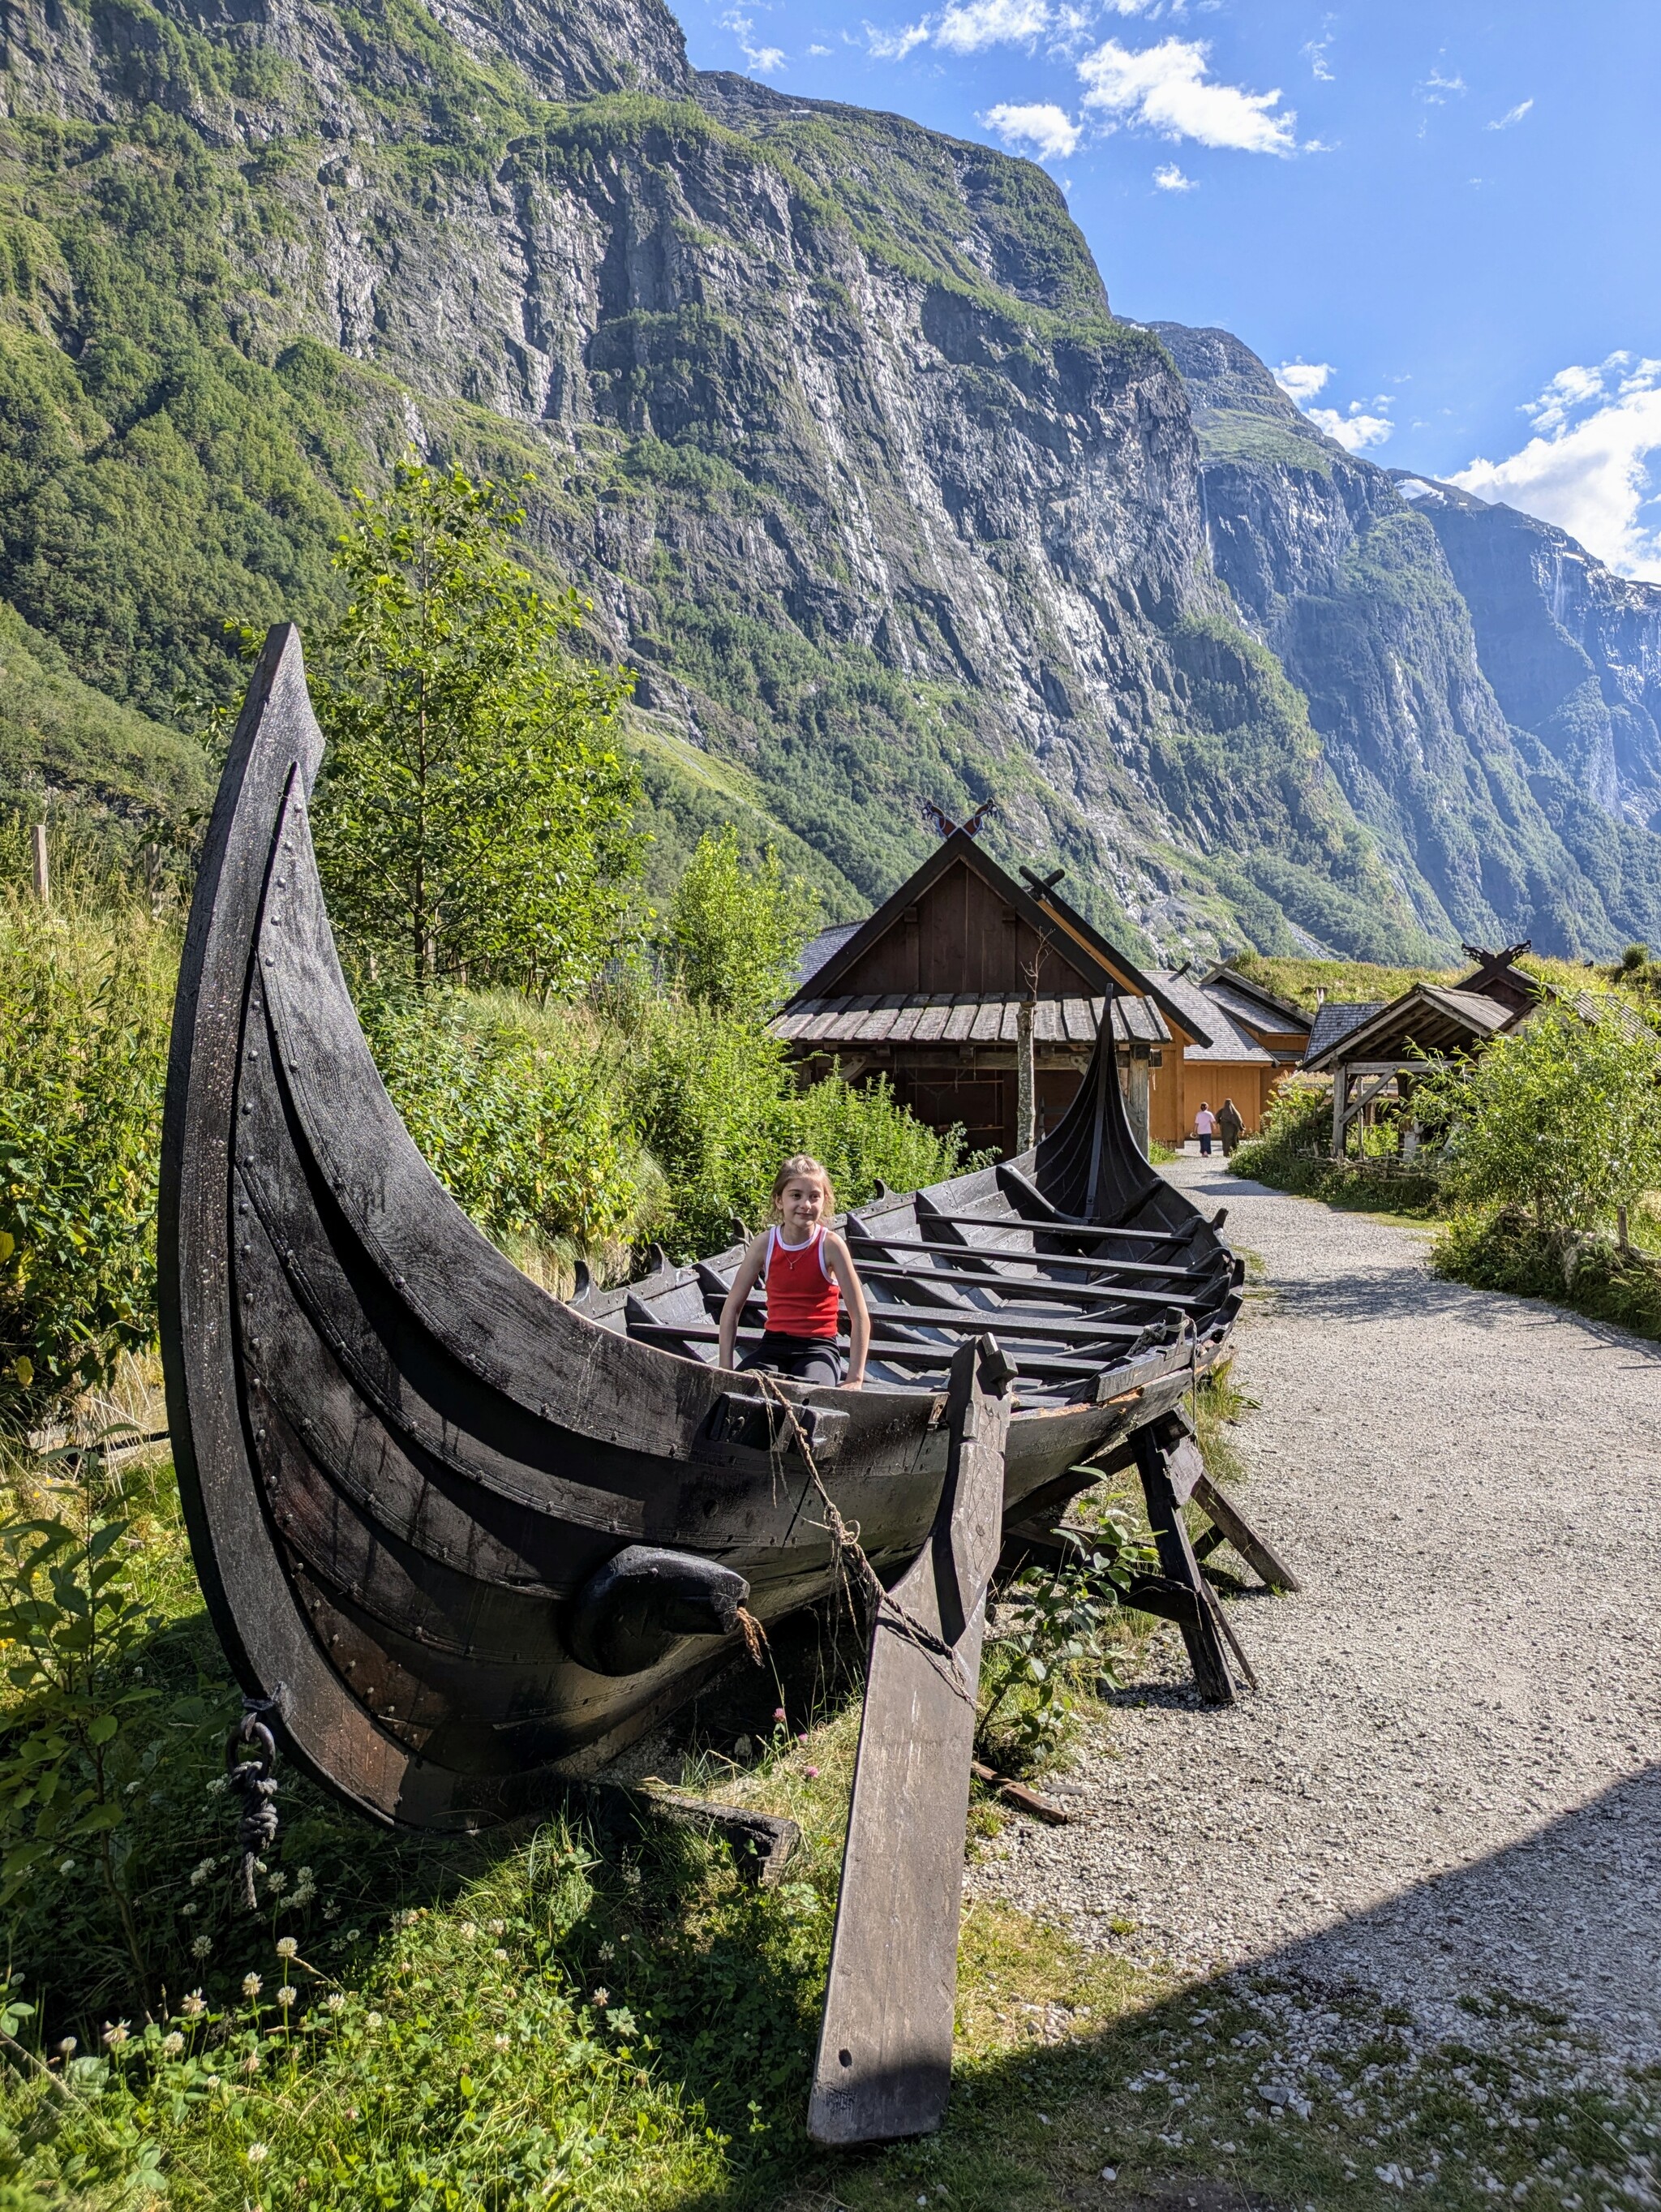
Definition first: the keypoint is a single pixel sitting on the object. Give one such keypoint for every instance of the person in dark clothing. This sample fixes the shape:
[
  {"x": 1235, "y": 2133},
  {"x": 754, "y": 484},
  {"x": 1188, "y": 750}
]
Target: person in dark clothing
[{"x": 1230, "y": 1126}]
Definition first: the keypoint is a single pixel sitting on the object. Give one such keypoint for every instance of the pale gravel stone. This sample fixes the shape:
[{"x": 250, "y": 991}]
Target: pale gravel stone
[{"x": 1450, "y": 1780}]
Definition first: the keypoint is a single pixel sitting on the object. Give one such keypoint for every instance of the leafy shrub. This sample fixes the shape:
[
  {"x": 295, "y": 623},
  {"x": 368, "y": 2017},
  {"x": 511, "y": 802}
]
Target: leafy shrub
[
  {"x": 738, "y": 926},
  {"x": 1509, "y": 1251},
  {"x": 513, "y": 1113},
  {"x": 85, "y": 1002},
  {"x": 1292, "y": 1145},
  {"x": 714, "y": 1098},
  {"x": 1563, "y": 1113}
]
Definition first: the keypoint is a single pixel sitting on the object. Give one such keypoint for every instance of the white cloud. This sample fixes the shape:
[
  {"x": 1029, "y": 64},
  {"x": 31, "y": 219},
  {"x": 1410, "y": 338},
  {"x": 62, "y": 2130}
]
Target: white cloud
[
  {"x": 1356, "y": 431},
  {"x": 765, "y": 59},
  {"x": 967, "y": 25},
  {"x": 1302, "y": 378},
  {"x": 894, "y": 45},
  {"x": 1512, "y": 115},
  {"x": 1165, "y": 88},
  {"x": 1437, "y": 89},
  {"x": 1314, "y": 52},
  {"x": 1587, "y": 468},
  {"x": 1170, "y": 178},
  {"x": 1042, "y": 126},
  {"x": 818, "y": 50}
]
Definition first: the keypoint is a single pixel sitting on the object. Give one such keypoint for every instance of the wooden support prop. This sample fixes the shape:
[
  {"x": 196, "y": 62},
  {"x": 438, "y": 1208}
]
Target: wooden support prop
[
  {"x": 1166, "y": 1481},
  {"x": 762, "y": 1842},
  {"x": 1229, "y": 1522},
  {"x": 41, "y": 863},
  {"x": 1017, "y": 1793},
  {"x": 885, "y": 2045}
]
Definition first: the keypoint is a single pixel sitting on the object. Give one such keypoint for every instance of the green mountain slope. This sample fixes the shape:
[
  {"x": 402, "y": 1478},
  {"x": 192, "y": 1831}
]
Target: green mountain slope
[{"x": 829, "y": 415}]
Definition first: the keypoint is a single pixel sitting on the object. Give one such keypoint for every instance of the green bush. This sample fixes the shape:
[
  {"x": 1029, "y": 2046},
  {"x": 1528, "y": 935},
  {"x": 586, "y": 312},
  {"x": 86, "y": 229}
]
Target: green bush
[
  {"x": 511, "y": 1110},
  {"x": 1289, "y": 1152},
  {"x": 85, "y": 1001},
  {"x": 1508, "y": 1251},
  {"x": 714, "y": 1099},
  {"x": 1562, "y": 1113},
  {"x": 738, "y": 926}
]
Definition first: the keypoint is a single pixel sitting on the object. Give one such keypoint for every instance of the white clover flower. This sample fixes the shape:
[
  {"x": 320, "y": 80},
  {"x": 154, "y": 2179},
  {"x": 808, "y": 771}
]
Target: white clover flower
[
  {"x": 190, "y": 1910},
  {"x": 202, "y": 1946},
  {"x": 67, "y": 2047},
  {"x": 277, "y": 1883},
  {"x": 212, "y": 2082},
  {"x": 497, "y": 1927},
  {"x": 251, "y": 1986},
  {"x": 200, "y": 1873},
  {"x": 67, "y": 1867},
  {"x": 173, "y": 2043},
  {"x": 286, "y": 1948},
  {"x": 499, "y": 1954},
  {"x": 502, "y": 2042},
  {"x": 608, "y": 1951},
  {"x": 194, "y": 2004},
  {"x": 285, "y": 1997},
  {"x": 467, "y": 1931},
  {"x": 115, "y": 2034},
  {"x": 602, "y": 1997},
  {"x": 256, "y": 2153},
  {"x": 335, "y": 2002},
  {"x": 374, "y": 2020},
  {"x": 353, "y": 1934}
]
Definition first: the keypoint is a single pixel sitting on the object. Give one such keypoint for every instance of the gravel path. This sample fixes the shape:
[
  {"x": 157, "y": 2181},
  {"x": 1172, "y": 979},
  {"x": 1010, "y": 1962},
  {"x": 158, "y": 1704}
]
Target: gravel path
[{"x": 1449, "y": 1779}]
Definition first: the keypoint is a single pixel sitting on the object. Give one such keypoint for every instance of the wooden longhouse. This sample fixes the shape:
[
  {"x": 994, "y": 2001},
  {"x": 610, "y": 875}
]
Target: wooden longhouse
[{"x": 930, "y": 991}]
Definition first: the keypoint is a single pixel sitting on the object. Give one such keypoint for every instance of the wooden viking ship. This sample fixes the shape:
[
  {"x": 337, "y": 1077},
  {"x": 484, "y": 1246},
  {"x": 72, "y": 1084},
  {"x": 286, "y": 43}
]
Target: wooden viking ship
[{"x": 472, "y": 1539}]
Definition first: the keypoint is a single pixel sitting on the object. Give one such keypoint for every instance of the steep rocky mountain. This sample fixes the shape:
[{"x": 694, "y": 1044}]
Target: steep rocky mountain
[
  {"x": 1484, "y": 692},
  {"x": 829, "y": 414},
  {"x": 1572, "y": 651}
]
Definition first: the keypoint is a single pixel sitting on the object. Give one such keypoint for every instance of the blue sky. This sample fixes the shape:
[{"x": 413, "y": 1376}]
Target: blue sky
[{"x": 1444, "y": 221}]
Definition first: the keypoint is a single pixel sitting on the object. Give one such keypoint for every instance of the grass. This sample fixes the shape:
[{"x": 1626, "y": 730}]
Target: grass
[
  {"x": 575, "y": 2014},
  {"x": 1588, "y": 1275}
]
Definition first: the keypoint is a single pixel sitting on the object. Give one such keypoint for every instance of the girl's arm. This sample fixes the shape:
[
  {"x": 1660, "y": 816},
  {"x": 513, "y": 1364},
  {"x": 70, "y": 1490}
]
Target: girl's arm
[
  {"x": 859, "y": 1319},
  {"x": 749, "y": 1274}
]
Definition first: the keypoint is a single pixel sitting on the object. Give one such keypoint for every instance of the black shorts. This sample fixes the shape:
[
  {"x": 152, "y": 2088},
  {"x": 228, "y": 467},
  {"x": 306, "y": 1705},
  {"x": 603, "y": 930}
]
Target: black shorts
[{"x": 804, "y": 1359}]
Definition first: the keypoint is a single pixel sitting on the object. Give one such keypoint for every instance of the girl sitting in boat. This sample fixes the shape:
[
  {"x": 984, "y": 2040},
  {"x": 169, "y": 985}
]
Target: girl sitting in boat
[{"x": 807, "y": 1270}]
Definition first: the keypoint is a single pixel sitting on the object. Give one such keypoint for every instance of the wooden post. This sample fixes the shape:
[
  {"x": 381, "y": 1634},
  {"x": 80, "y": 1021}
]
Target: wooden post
[
  {"x": 1340, "y": 1099},
  {"x": 42, "y": 865},
  {"x": 1168, "y": 1480},
  {"x": 1026, "y": 1085},
  {"x": 885, "y": 2044},
  {"x": 1136, "y": 1096}
]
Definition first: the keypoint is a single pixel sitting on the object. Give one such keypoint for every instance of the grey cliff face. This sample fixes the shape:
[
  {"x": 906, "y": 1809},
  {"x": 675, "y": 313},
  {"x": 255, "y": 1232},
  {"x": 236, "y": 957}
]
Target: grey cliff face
[
  {"x": 1572, "y": 650},
  {"x": 831, "y": 420},
  {"x": 1401, "y": 630}
]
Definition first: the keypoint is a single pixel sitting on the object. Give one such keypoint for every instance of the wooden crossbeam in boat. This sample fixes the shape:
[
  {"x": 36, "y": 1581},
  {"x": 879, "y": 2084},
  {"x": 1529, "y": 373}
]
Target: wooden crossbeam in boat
[
  {"x": 1102, "y": 1297},
  {"x": 883, "y": 2070},
  {"x": 1057, "y": 1227},
  {"x": 890, "y": 1352},
  {"x": 862, "y": 1235}
]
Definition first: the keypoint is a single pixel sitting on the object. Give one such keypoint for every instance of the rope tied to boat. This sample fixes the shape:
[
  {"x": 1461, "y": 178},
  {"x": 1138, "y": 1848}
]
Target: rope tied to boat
[
  {"x": 846, "y": 1545},
  {"x": 755, "y": 1636},
  {"x": 253, "y": 1781}
]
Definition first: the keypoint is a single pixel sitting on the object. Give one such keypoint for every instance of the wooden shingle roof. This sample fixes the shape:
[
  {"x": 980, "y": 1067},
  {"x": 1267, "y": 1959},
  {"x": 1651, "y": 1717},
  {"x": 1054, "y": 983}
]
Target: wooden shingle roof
[{"x": 961, "y": 1017}]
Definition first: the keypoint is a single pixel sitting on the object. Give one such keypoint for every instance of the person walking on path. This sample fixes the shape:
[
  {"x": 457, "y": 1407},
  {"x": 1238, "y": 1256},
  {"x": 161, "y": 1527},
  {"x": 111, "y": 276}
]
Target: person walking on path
[
  {"x": 1230, "y": 1126},
  {"x": 1205, "y": 1127}
]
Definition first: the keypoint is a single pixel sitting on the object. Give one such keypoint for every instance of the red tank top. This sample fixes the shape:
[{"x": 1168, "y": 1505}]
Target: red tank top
[{"x": 802, "y": 1292}]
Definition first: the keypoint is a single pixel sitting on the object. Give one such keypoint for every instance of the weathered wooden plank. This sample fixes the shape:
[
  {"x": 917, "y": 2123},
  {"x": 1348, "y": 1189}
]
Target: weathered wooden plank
[
  {"x": 1225, "y": 1515},
  {"x": 883, "y": 2069},
  {"x": 1179, "y": 1564}
]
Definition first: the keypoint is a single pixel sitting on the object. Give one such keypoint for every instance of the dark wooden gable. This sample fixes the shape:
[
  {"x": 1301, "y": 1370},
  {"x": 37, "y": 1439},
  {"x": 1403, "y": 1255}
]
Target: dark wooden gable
[{"x": 959, "y": 933}]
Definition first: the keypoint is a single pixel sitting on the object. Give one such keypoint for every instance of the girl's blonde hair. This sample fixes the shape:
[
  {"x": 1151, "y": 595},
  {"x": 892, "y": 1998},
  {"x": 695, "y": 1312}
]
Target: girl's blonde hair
[{"x": 799, "y": 1166}]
